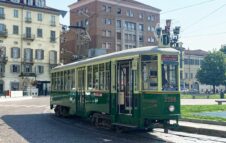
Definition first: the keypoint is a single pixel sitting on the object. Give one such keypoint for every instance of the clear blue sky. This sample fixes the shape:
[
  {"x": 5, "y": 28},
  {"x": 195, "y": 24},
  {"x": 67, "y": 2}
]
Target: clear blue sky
[{"x": 203, "y": 22}]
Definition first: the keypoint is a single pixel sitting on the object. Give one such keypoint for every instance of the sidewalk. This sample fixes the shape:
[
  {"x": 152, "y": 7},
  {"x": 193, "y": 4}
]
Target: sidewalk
[
  {"x": 9, "y": 99},
  {"x": 201, "y": 128}
]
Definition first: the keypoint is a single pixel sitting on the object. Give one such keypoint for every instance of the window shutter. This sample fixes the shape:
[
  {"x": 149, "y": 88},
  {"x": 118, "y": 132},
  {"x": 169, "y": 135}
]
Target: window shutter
[
  {"x": 12, "y": 52},
  {"x": 36, "y": 54},
  {"x": 18, "y": 49},
  {"x": 11, "y": 68},
  {"x": 31, "y": 54},
  {"x": 18, "y": 68},
  {"x": 42, "y": 54}
]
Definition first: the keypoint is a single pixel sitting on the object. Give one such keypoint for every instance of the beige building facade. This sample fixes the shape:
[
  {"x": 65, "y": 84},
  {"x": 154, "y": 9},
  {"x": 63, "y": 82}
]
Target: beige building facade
[{"x": 29, "y": 44}]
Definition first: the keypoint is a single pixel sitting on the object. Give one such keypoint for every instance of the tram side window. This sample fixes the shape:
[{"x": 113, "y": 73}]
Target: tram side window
[
  {"x": 53, "y": 83},
  {"x": 61, "y": 81},
  {"x": 95, "y": 77},
  {"x": 149, "y": 72},
  {"x": 89, "y": 77},
  {"x": 169, "y": 77},
  {"x": 72, "y": 79},
  {"x": 102, "y": 77},
  {"x": 107, "y": 76},
  {"x": 65, "y": 80}
]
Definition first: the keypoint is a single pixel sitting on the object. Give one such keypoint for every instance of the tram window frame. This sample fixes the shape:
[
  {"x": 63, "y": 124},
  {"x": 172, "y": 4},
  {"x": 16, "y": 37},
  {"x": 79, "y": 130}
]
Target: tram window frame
[
  {"x": 101, "y": 76},
  {"x": 167, "y": 83},
  {"x": 150, "y": 73},
  {"x": 89, "y": 77},
  {"x": 107, "y": 76},
  {"x": 95, "y": 77},
  {"x": 73, "y": 85}
]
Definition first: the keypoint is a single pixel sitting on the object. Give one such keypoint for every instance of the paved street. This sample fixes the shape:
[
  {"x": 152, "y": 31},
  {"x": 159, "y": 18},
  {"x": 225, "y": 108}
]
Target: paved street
[{"x": 32, "y": 121}]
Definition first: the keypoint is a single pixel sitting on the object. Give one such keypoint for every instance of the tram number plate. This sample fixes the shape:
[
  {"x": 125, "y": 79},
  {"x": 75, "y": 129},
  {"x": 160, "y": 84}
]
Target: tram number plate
[{"x": 170, "y": 99}]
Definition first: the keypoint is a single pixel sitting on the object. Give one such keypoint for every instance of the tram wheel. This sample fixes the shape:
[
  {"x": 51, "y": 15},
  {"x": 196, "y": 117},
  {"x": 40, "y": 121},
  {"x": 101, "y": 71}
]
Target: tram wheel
[{"x": 57, "y": 111}]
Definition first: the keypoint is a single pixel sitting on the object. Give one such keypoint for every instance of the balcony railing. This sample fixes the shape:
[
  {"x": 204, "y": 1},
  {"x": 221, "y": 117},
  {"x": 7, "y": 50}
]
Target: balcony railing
[
  {"x": 28, "y": 61},
  {"x": 4, "y": 33},
  {"x": 28, "y": 19},
  {"x": 2, "y": 16},
  {"x": 52, "y": 39},
  {"x": 3, "y": 59},
  {"x": 30, "y": 37}
]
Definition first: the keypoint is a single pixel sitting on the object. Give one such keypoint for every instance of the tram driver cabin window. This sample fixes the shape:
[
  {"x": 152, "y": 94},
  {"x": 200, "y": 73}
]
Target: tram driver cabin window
[{"x": 149, "y": 72}]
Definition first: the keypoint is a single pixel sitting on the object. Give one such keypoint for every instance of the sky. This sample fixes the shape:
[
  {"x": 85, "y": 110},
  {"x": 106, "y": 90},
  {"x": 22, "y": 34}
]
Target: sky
[{"x": 202, "y": 22}]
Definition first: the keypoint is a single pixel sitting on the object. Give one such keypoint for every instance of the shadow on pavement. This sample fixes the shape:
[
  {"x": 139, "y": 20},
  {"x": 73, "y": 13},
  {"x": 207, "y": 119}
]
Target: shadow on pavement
[{"x": 46, "y": 128}]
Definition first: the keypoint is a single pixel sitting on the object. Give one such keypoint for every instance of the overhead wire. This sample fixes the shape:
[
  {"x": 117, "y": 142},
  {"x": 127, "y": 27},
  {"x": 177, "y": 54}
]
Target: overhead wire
[{"x": 189, "y": 6}]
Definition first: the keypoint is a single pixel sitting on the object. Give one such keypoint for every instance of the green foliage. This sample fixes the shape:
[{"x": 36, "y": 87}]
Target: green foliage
[
  {"x": 212, "y": 70},
  {"x": 223, "y": 49}
]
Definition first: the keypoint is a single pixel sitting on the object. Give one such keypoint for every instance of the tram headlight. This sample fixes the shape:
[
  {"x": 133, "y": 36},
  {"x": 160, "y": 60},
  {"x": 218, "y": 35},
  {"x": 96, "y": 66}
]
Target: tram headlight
[{"x": 171, "y": 108}]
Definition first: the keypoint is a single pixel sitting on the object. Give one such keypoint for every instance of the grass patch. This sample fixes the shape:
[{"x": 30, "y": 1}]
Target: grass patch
[
  {"x": 189, "y": 112},
  {"x": 200, "y": 96}
]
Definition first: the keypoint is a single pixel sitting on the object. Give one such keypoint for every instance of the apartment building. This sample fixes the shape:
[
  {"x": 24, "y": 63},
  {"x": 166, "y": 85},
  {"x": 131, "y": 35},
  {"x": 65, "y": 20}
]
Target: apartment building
[
  {"x": 114, "y": 25},
  {"x": 29, "y": 44}
]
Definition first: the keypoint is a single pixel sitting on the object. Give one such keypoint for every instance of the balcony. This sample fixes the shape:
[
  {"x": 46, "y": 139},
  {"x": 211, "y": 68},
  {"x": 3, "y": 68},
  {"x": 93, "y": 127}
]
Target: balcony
[
  {"x": 3, "y": 59},
  {"x": 52, "y": 23},
  {"x": 28, "y": 61},
  {"x": 28, "y": 19},
  {"x": 4, "y": 33},
  {"x": 2, "y": 16},
  {"x": 52, "y": 39},
  {"x": 30, "y": 37}
]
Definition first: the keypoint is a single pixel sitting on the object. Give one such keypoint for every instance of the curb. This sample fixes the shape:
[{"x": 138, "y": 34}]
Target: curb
[
  {"x": 201, "y": 131},
  {"x": 219, "y": 123},
  {"x": 15, "y": 99}
]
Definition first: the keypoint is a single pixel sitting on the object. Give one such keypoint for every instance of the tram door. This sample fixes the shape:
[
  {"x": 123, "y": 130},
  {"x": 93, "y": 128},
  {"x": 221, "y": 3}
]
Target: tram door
[
  {"x": 124, "y": 87},
  {"x": 80, "y": 96}
]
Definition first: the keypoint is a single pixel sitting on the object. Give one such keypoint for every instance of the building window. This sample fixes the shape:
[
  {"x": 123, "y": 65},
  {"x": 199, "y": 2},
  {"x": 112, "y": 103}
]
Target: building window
[
  {"x": 39, "y": 33},
  {"x": 141, "y": 15},
  {"x": 15, "y": 29},
  {"x": 15, "y": 68},
  {"x": 28, "y": 32},
  {"x": 15, "y": 1},
  {"x": 107, "y": 21},
  {"x": 53, "y": 57},
  {"x": 2, "y": 14},
  {"x": 2, "y": 28},
  {"x": 40, "y": 3},
  {"x": 53, "y": 20},
  {"x": 39, "y": 54},
  {"x": 16, "y": 13},
  {"x": 52, "y": 36},
  {"x": 119, "y": 36},
  {"x": 119, "y": 11},
  {"x": 15, "y": 53},
  {"x": 130, "y": 26},
  {"x": 14, "y": 86},
  {"x": 29, "y": 2},
  {"x": 151, "y": 18},
  {"x": 141, "y": 27},
  {"x": 39, "y": 69},
  {"x": 118, "y": 24},
  {"x": 28, "y": 68},
  {"x": 119, "y": 47},
  {"x": 151, "y": 40},
  {"x": 106, "y": 45},
  {"x": 28, "y": 55},
  {"x": 28, "y": 14},
  {"x": 40, "y": 17},
  {"x": 106, "y": 33},
  {"x": 129, "y": 13},
  {"x": 141, "y": 38}
]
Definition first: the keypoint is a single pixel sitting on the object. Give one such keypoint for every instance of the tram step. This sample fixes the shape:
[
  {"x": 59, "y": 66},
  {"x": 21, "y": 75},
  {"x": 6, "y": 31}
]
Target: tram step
[{"x": 124, "y": 125}]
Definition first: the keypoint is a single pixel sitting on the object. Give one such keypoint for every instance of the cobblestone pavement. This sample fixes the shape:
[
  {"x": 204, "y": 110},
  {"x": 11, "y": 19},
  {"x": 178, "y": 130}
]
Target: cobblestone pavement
[{"x": 32, "y": 121}]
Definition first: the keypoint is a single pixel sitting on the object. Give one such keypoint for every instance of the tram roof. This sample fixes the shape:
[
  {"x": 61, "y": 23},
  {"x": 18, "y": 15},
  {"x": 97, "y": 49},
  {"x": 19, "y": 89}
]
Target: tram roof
[{"x": 128, "y": 52}]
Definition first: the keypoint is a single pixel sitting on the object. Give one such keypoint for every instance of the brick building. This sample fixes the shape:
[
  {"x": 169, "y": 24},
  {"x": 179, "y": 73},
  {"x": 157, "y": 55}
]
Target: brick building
[{"x": 114, "y": 25}]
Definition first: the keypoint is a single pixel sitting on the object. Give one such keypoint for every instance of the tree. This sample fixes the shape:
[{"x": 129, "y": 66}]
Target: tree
[
  {"x": 223, "y": 49},
  {"x": 212, "y": 70}
]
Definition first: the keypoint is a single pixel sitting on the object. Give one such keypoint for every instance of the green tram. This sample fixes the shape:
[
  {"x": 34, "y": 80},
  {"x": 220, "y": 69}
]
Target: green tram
[{"x": 134, "y": 88}]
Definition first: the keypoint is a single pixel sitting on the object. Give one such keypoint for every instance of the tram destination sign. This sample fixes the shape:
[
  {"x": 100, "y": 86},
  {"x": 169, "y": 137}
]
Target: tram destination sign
[{"x": 169, "y": 58}]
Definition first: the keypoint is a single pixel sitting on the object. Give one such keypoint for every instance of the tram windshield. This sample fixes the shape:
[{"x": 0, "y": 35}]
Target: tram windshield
[
  {"x": 169, "y": 73},
  {"x": 149, "y": 72}
]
